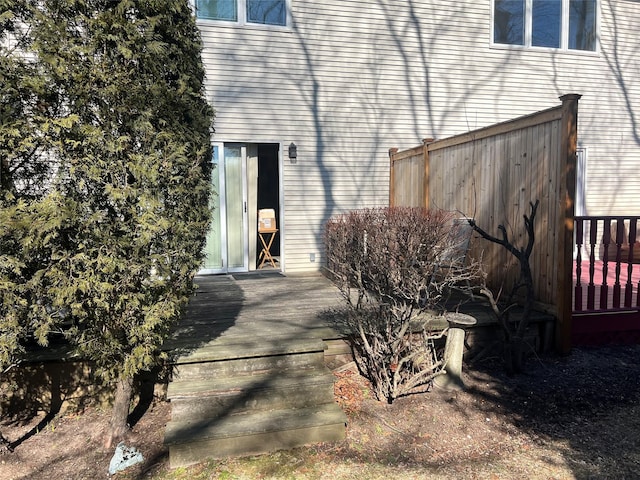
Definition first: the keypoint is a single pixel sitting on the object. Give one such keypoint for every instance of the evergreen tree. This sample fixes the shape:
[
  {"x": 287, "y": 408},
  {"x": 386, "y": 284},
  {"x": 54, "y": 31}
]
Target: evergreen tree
[
  {"x": 25, "y": 110},
  {"x": 122, "y": 224}
]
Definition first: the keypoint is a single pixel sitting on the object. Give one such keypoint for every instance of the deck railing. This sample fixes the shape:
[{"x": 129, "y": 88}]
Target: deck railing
[{"x": 607, "y": 248}]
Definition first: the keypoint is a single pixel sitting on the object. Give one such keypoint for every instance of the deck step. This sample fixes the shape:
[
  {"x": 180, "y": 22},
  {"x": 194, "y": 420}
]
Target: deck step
[
  {"x": 265, "y": 380},
  {"x": 191, "y": 442},
  {"x": 247, "y": 366},
  {"x": 231, "y": 396},
  {"x": 241, "y": 396},
  {"x": 240, "y": 347},
  {"x": 229, "y": 332}
]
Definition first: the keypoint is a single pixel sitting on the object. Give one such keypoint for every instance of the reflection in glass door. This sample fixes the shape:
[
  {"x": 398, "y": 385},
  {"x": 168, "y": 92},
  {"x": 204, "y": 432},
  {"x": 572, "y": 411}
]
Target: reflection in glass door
[
  {"x": 227, "y": 247},
  {"x": 213, "y": 247},
  {"x": 235, "y": 207}
]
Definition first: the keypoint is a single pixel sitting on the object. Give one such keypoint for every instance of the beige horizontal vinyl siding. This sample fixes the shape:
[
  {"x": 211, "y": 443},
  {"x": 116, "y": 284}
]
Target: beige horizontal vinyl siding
[{"x": 350, "y": 79}]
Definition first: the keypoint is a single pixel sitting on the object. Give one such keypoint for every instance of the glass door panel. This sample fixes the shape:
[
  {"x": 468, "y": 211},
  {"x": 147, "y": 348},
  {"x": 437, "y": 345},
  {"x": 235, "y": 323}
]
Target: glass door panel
[
  {"x": 213, "y": 247},
  {"x": 235, "y": 206}
]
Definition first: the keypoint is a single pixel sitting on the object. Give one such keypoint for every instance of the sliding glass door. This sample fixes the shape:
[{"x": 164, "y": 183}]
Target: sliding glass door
[{"x": 227, "y": 246}]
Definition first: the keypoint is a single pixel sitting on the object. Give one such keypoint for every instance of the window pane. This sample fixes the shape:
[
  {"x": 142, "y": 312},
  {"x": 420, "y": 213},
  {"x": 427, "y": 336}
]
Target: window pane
[
  {"x": 508, "y": 22},
  {"x": 582, "y": 25},
  {"x": 217, "y": 9},
  {"x": 270, "y": 12},
  {"x": 546, "y": 21}
]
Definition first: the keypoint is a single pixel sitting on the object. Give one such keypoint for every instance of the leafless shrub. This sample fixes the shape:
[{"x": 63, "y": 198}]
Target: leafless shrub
[{"x": 395, "y": 268}]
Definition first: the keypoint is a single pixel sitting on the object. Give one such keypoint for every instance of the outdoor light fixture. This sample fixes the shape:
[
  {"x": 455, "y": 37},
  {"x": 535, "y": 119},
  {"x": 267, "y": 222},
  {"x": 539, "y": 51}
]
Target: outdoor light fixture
[{"x": 293, "y": 151}]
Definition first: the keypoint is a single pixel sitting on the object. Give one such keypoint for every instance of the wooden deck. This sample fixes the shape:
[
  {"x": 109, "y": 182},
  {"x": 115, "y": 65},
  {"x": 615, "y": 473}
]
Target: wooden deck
[
  {"x": 262, "y": 309},
  {"x": 252, "y": 311},
  {"x": 249, "y": 368},
  {"x": 252, "y": 351}
]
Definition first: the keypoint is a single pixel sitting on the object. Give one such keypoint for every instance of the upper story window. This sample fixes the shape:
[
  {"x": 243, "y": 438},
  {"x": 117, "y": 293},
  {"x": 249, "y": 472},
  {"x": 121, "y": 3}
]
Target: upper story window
[
  {"x": 563, "y": 24},
  {"x": 262, "y": 12}
]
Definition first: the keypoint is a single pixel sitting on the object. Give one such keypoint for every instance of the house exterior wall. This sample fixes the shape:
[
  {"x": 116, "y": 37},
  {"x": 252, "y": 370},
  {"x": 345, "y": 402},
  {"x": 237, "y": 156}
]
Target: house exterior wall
[{"x": 350, "y": 79}]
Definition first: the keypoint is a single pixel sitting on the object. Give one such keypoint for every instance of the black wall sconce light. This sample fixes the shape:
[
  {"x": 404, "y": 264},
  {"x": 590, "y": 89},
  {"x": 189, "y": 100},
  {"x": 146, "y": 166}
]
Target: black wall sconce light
[{"x": 293, "y": 152}]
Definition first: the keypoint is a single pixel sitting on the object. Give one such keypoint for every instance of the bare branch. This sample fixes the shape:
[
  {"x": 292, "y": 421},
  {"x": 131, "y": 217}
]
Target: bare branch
[{"x": 514, "y": 332}]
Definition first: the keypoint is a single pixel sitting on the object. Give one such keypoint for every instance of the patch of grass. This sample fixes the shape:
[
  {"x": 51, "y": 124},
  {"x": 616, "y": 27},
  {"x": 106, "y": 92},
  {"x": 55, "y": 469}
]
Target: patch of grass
[{"x": 297, "y": 464}]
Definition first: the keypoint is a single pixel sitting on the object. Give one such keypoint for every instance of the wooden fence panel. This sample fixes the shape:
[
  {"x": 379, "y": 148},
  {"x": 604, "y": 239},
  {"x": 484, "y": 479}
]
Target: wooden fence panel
[{"x": 492, "y": 175}]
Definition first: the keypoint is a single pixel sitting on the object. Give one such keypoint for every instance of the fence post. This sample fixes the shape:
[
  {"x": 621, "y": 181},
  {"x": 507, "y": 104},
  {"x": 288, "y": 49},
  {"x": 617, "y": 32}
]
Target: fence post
[
  {"x": 567, "y": 193},
  {"x": 392, "y": 183},
  {"x": 425, "y": 159}
]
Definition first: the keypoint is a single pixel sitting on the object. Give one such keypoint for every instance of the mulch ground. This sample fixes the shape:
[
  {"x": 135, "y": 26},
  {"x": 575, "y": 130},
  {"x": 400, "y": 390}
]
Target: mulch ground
[{"x": 566, "y": 417}]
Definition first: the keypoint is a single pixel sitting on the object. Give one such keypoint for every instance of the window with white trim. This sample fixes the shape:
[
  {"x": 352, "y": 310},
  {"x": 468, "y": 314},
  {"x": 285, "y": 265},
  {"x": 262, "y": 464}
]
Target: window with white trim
[
  {"x": 259, "y": 12},
  {"x": 561, "y": 24}
]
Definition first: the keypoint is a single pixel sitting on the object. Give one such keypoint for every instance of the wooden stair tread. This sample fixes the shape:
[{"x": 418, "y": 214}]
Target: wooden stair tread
[
  {"x": 267, "y": 380},
  {"x": 254, "y": 423},
  {"x": 236, "y": 348}
]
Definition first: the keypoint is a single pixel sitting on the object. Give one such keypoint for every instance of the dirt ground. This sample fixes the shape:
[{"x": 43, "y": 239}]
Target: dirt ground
[{"x": 567, "y": 417}]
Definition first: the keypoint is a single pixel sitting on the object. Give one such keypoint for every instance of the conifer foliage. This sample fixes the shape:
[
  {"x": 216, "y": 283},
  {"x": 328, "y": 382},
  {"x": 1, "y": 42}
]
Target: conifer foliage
[{"x": 105, "y": 144}]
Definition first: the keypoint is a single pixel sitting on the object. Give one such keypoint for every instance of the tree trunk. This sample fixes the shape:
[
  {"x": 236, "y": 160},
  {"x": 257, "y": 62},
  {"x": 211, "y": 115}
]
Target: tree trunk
[
  {"x": 118, "y": 426},
  {"x": 514, "y": 350}
]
